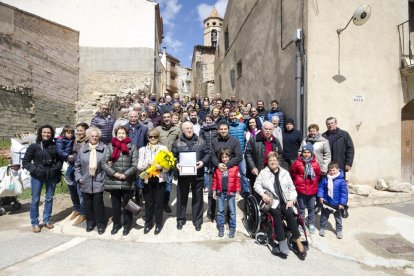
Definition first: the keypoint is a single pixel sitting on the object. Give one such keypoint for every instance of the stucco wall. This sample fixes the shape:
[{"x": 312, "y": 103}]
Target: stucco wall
[
  {"x": 370, "y": 63},
  {"x": 268, "y": 72}
]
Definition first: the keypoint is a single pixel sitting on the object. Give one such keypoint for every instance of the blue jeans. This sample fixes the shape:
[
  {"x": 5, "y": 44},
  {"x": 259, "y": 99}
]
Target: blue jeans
[
  {"x": 36, "y": 191},
  {"x": 325, "y": 217},
  {"x": 231, "y": 201},
  {"x": 307, "y": 202},
  {"x": 206, "y": 177},
  {"x": 168, "y": 186},
  {"x": 74, "y": 191},
  {"x": 244, "y": 181}
]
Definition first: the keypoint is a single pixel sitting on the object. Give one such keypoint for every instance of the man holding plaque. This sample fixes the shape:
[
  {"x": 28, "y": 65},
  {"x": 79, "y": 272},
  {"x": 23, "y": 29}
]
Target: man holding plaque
[{"x": 192, "y": 154}]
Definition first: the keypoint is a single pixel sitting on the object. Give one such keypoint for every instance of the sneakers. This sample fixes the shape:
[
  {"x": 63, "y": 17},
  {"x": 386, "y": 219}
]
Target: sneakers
[
  {"x": 322, "y": 232},
  {"x": 232, "y": 233},
  {"x": 339, "y": 235},
  {"x": 312, "y": 229},
  {"x": 221, "y": 231},
  {"x": 79, "y": 220}
]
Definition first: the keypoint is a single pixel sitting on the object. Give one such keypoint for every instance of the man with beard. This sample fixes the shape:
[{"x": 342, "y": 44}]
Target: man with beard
[
  {"x": 341, "y": 145},
  {"x": 169, "y": 133},
  {"x": 194, "y": 121},
  {"x": 105, "y": 123},
  {"x": 262, "y": 112},
  {"x": 321, "y": 147},
  {"x": 190, "y": 142},
  {"x": 153, "y": 115},
  {"x": 237, "y": 130},
  {"x": 276, "y": 111}
]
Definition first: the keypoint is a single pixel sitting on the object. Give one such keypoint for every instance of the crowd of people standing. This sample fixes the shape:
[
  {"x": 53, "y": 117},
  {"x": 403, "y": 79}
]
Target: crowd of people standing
[{"x": 233, "y": 141}]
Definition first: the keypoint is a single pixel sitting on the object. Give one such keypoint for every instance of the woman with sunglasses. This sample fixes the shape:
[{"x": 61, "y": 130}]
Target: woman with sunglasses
[
  {"x": 145, "y": 120},
  {"x": 154, "y": 187}
]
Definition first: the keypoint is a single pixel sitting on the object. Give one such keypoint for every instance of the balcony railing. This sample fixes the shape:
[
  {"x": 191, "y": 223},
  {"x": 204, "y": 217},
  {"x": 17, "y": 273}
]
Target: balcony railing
[{"x": 406, "y": 47}]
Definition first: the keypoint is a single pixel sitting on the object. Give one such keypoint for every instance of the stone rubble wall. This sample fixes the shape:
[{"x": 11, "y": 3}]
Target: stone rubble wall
[
  {"x": 108, "y": 88},
  {"x": 39, "y": 67}
]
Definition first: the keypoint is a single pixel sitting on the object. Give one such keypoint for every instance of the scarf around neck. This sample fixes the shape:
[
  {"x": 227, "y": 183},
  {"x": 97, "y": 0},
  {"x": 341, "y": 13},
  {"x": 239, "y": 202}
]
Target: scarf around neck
[
  {"x": 119, "y": 146},
  {"x": 308, "y": 168},
  {"x": 330, "y": 183},
  {"x": 312, "y": 140},
  {"x": 93, "y": 161}
]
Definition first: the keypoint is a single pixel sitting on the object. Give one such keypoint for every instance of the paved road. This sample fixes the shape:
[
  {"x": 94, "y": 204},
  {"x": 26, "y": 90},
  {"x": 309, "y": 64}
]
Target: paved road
[
  {"x": 50, "y": 254},
  {"x": 53, "y": 253}
]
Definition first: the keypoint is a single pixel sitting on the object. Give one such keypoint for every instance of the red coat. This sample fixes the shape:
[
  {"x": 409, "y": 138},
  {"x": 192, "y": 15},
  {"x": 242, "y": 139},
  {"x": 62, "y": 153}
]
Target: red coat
[
  {"x": 233, "y": 183},
  {"x": 305, "y": 186}
]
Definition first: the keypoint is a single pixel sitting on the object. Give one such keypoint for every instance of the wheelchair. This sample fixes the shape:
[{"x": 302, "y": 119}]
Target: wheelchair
[{"x": 260, "y": 224}]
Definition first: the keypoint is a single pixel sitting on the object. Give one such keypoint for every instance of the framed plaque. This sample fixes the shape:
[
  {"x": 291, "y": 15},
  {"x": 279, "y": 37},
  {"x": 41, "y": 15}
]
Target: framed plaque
[{"x": 188, "y": 162}]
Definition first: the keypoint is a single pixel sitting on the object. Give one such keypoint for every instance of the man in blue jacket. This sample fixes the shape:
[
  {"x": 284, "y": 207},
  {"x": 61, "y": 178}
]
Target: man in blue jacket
[
  {"x": 105, "y": 123},
  {"x": 237, "y": 130}
]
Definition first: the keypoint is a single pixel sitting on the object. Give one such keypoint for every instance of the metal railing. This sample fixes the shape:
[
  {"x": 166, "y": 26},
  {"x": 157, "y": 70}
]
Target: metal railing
[{"x": 406, "y": 52}]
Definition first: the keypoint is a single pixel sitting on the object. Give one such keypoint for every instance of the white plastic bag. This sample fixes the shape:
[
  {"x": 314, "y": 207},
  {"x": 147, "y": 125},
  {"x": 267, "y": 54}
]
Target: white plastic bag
[
  {"x": 26, "y": 179},
  {"x": 11, "y": 184}
]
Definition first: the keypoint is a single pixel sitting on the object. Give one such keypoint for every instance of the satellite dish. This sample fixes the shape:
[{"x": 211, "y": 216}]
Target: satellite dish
[{"x": 361, "y": 15}]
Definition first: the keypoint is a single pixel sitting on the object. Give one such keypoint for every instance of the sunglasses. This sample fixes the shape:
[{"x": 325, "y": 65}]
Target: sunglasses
[{"x": 152, "y": 137}]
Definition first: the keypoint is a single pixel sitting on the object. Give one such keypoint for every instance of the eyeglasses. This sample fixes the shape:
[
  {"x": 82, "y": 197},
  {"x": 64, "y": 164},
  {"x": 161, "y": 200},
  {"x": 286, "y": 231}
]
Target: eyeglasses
[{"x": 153, "y": 137}]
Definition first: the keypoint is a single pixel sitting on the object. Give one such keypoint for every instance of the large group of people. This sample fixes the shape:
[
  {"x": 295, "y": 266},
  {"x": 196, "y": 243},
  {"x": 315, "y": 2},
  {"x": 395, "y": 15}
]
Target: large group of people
[{"x": 240, "y": 148}]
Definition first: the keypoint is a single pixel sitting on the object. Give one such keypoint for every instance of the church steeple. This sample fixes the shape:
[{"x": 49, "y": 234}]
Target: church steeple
[{"x": 212, "y": 28}]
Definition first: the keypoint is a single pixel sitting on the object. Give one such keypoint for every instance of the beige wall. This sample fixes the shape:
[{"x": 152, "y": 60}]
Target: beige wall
[
  {"x": 268, "y": 71},
  {"x": 370, "y": 63}
]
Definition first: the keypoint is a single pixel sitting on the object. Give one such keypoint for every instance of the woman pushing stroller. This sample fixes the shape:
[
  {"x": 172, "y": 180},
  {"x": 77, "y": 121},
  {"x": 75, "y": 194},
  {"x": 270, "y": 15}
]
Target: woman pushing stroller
[{"x": 277, "y": 181}]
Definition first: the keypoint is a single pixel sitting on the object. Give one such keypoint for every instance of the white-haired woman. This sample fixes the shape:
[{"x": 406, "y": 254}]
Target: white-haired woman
[{"x": 90, "y": 177}]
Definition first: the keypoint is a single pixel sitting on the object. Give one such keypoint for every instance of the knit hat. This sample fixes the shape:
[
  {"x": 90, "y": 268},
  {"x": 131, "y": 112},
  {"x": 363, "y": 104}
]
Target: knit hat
[
  {"x": 308, "y": 147},
  {"x": 290, "y": 121}
]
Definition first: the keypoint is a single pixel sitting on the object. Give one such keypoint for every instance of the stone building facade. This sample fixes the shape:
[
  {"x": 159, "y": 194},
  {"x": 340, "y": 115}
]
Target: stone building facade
[
  {"x": 367, "y": 92},
  {"x": 39, "y": 72},
  {"x": 119, "y": 44},
  {"x": 202, "y": 64}
]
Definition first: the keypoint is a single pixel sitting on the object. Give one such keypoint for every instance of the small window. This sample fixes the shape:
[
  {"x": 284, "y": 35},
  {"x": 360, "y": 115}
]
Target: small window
[
  {"x": 220, "y": 24},
  {"x": 214, "y": 23},
  {"x": 214, "y": 38},
  {"x": 239, "y": 69},
  {"x": 233, "y": 78},
  {"x": 226, "y": 39},
  {"x": 172, "y": 64},
  {"x": 208, "y": 24}
]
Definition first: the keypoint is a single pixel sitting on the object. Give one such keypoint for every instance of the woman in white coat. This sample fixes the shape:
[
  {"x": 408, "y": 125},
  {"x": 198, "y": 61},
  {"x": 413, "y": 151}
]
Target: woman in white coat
[{"x": 276, "y": 180}]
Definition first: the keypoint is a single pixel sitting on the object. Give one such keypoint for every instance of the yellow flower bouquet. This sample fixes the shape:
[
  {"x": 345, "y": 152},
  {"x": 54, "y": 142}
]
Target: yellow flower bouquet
[{"x": 164, "y": 159}]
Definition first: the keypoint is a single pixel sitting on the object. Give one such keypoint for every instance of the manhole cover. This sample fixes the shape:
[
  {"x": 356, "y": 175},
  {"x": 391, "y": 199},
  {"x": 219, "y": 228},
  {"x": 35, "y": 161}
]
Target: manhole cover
[{"x": 393, "y": 245}]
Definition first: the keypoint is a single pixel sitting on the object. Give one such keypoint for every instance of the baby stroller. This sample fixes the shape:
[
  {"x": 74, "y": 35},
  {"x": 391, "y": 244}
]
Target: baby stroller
[
  {"x": 8, "y": 194},
  {"x": 259, "y": 224}
]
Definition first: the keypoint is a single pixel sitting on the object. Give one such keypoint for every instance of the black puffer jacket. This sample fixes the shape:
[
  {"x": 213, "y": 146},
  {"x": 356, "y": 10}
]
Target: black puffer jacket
[
  {"x": 195, "y": 143},
  {"x": 230, "y": 143},
  {"x": 256, "y": 150},
  {"x": 126, "y": 164},
  {"x": 42, "y": 160},
  {"x": 208, "y": 133},
  {"x": 342, "y": 147}
]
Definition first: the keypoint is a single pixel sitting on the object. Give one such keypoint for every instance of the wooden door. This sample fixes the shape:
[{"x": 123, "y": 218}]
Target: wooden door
[{"x": 407, "y": 143}]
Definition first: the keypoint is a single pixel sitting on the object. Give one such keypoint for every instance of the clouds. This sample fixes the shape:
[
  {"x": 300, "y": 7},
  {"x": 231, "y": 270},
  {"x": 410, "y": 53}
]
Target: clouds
[
  {"x": 172, "y": 44},
  {"x": 169, "y": 10},
  {"x": 205, "y": 9}
]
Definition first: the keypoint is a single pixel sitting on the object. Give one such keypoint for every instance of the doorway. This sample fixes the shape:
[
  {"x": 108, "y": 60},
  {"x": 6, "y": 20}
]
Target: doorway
[{"x": 407, "y": 142}]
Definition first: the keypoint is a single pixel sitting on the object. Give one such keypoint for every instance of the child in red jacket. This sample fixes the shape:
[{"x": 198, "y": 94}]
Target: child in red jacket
[
  {"x": 305, "y": 173},
  {"x": 226, "y": 185}
]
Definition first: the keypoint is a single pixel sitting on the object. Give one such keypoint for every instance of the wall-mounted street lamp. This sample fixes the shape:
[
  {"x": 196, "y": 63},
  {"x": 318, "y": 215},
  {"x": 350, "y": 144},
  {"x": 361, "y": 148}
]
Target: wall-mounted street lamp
[{"x": 360, "y": 17}]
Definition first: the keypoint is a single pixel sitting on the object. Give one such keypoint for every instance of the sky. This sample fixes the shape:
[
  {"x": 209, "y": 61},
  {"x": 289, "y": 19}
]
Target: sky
[{"x": 183, "y": 25}]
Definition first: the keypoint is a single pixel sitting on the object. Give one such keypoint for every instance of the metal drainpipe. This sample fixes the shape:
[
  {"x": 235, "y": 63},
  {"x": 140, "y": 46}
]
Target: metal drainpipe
[
  {"x": 305, "y": 94},
  {"x": 298, "y": 79}
]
